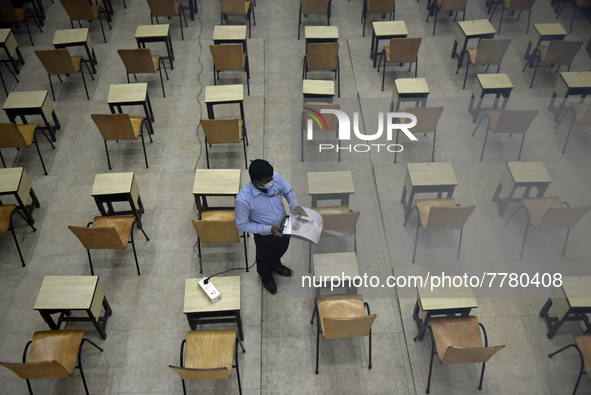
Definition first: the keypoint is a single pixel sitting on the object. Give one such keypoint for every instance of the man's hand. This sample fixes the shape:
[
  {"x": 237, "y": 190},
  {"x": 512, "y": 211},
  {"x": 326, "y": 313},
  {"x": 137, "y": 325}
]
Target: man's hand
[
  {"x": 299, "y": 211},
  {"x": 276, "y": 231}
]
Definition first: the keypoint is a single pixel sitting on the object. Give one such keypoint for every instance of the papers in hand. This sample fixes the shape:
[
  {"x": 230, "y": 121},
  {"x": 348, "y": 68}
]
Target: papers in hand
[{"x": 308, "y": 228}]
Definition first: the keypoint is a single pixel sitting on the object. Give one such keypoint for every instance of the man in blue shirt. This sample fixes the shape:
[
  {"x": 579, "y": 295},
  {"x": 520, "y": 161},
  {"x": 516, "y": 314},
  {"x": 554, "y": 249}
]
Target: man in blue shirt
[{"x": 259, "y": 210}]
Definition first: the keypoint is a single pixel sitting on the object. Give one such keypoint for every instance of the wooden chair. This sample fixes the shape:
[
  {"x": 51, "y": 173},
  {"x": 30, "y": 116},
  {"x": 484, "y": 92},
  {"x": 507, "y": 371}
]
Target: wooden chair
[
  {"x": 139, "y": 61},
  {"x": 168, "y": 8},
  {"x": 338, "y": 221},
  {"x": 578, "y": 5},
  {"x": 401, "y": 50},
  {"x": 310, "y": 116},
  {"x": 82, "y": 10},
  {"x": 342, "y": 317},
  {"x": 52, "y": 354},
  {"x": 218, "y": 227},
  {"x": 229, "y": 57},
  {"x": 224, "y": 131},
  {"x": 583, "y": 345},
  {"x": 427, "y": 120},
  {"x": 11, "y": 15},
  {"x": 21, "y": 136},
  {"x": 108, "y": 233},
  {"x": 458, "y": 340},
  {"x": 323, "y": 56},
  {"x": 314, "y": 7},
  {"x": 514, "y": 5},
  {"x": 237, "y": 7},
  {"x": 2, "y": 78},
  {"x": 440, "y": 214},
  {"x": 581, "y": 114},
  {"x": 507, "y": 121},
  {"x": 209, "y": 355},
  {"x": 549, "y": 213},
  {"x": 121, "y": 127},
  {"x": 59, "y": 61},
  {"x": 378, "y": 7},
  {"x": 6, "y": 212},
  {"x": 561, "y": 53},
  {"x": 447, "y": 6},
  {"x": 490, "y": 52}
]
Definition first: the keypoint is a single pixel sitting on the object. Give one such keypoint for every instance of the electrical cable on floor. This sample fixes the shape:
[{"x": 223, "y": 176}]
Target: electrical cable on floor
[{"x": 199, "y": 102}]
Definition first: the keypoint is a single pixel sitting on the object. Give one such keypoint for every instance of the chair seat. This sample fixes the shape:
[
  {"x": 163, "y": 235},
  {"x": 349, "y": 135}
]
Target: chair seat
[
  {"x": 424, "y": 206},
  {"x": 537, "y": 207},
  {"x": 155, "y": 61},
  {"x": 60, "y": 345},
  {"x": 95, "y": 10},
  {"x": 387, "y": 49},
  {"x": 218, "y": 215},
  {"x": 28, "y": 132},
  {"x": 580, "y": 109},
  {"x": 246, "y": 7},
  {"x": 136, "y": 123},
  {"x": 76, "y": 60},
  {"x": 332, "y": 210},
  {"x": 494, "y": 116},
  {"x": 5, "y": 212},
  {"x": 210, "y": 350},
  {"x": 543, "y": 51},
  {"x": 457, "y": 332},
  {"x": 20, "y": 13},
  {"x": 472, "y": 53},
  {"x": 584, "y": 344},
  {"x": 122, "y": 225}
]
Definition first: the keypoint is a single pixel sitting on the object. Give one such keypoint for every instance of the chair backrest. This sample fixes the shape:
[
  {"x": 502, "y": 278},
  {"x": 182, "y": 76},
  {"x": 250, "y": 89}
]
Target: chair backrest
[
  {"x": 338, "y": 328},
  {"x": 519, "y": 5},
  {"x": 314, "y": 7},
  {"x": 8, "y": 13},
  {"x": 217, "y": 231},
  {"x": 584, "y": 344},
  {"x": 332, "y": 122},
  {"x": 448, "y": 217},
  {"x": 339, "y": 224},
  {"x": 228, "y": 57},
  {"x": 220, "y": 131},
  {"x": 56, "y": 61},
  {"x": 404, "y": 50},
  {"x": 37, "y": 370},
  {"x": 162, "y": 7},
  {"x": 98, "y": 238},
  {"x": 491, "y": 51},
  {"x": 202, "y": 374},
  {"x": 137, "y": 60},
  {"x": 380, "y": 6},
  {"x": 469, "y": 354},
  {"x": 78, "y": 10},
  {"x": 452, "y": 5},
  {"x": 322, "y": 56},
  {"x": 114, "y": 126},
  {"x": 427, "y": 118},
  {"x": 517, "y": 122},
  {"x": 562, "y": 218},
  {"x": 11, "y": 136},
  {"x": 562, "y": 52},
  {"x": 233, "y": 7},
  {"x": 5, "y": 213}
]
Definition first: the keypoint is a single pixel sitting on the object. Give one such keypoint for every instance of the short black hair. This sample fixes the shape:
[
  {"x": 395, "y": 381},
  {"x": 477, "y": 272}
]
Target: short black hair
[{"x": 260, "y": 169}]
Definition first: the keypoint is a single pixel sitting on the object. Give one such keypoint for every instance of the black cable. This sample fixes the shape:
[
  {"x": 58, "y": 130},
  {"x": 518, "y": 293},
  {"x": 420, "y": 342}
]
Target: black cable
[{"x": 226, "y": 271}]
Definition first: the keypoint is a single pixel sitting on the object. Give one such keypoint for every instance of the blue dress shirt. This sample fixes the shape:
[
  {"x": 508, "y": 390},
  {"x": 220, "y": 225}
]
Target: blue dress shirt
[{"x": 256, "y": 211}]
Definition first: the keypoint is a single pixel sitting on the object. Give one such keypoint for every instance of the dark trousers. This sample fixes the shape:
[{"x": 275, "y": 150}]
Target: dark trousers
[{"x": 270, "y": 249}]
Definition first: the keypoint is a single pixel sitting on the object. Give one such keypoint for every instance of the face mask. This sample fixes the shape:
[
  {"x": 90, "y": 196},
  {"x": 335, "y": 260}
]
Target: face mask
[{"x": 269, "y": 185}]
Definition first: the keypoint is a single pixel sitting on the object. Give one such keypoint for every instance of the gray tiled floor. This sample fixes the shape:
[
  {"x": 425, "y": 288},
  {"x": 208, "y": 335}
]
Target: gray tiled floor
[{"x": 147, "y": 325}]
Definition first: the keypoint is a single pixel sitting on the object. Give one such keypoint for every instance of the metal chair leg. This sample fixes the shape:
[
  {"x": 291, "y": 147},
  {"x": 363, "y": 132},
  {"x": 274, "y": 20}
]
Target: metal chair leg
[
  {"x": 90, "y": 263},
  {"x": 569, "y": 131}
]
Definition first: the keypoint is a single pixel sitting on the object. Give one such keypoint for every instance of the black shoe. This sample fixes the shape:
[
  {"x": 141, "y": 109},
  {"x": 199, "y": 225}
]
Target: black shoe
[
  {"x": 269, "y": 284},
  {"x": 283, "y": 270}
]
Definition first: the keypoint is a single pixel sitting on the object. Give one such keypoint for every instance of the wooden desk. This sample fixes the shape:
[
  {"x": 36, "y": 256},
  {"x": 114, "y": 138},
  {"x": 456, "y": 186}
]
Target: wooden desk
[
  {"x": 318, "y": 90},
  {"x": 544, "y": 32},
  {"x": 76, "y": 38},
  {"x": 215, "y": 182},
  {"x": 62, "y": 294},
  {"x": 338, "y": 265},
  {"x": 131, "y": 95},
  {"x": 110, "y": 188},
  {"x": 200, "y": 311},
  {"x": 155, "y": 33},
  {"x": 230, "y": 35},
  {"x": 330, "y": 185},
  {"x": 225, "y": 94},
  {"x": 490, "y": 84},
  {"x": 469, "y": 30},
  {"x": 435, "y": 177},
  {"x": 572, "y": 302},
  {"x": 385, "y": 31},
  {"x": 321, "y": 34},
  {"x": 409, "y": 89},
  {"x": 8, "y": 42},
  {"x": 14, "y": 181},
  {"x": 20, "y": 104},
  {"x": 521, "y": 175},
  {"x": 445, "y": 300},
  {"x": 570, "y": 83}
]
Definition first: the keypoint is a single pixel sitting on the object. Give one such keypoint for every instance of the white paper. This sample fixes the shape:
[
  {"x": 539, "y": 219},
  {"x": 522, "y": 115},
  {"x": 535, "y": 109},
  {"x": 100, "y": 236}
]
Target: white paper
[{"x": 309, "y": 229}]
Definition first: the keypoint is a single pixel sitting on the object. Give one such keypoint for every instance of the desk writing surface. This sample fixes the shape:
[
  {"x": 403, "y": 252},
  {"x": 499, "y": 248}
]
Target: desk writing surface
[
  {"x": 216, "y": 182},
  {"x": 20, "y": 100},
  {"x": 66, "y": 292},
  {"x": 336, "y": 264},
  {"x": 411, "y": 85},
  {"x": 229, "y": 33},
  {"x": 152, "y": 31},
  {"x": 69, "y": 36},
  {"x": 9, "y": 41},
  {"x": 577, "y": 79},
  {"x": 330, "y": 182},
  {"x": 534, "y": 171},
  {"x": 318, "y": 87},
  {"x": 10, "y": 179},
  {"x": 4, "y": 34},
  {"x": 446, "y": 297},
  {"x": 224, "y": 93},
  {"x": 577, "y": 290},
  {"x": 128, "y": 93},
  {"x": 112, "y": 183},
  {"x": 550, "y": 29},
  {"x": 494, "y": 81},
  {"x": 321, "y": 32},
  {"x": 197, "y": 302},
  {"x": 390, "y": 28},
  {"x": 435, "y": 173},
  {"x": 476, "y": 28}
]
